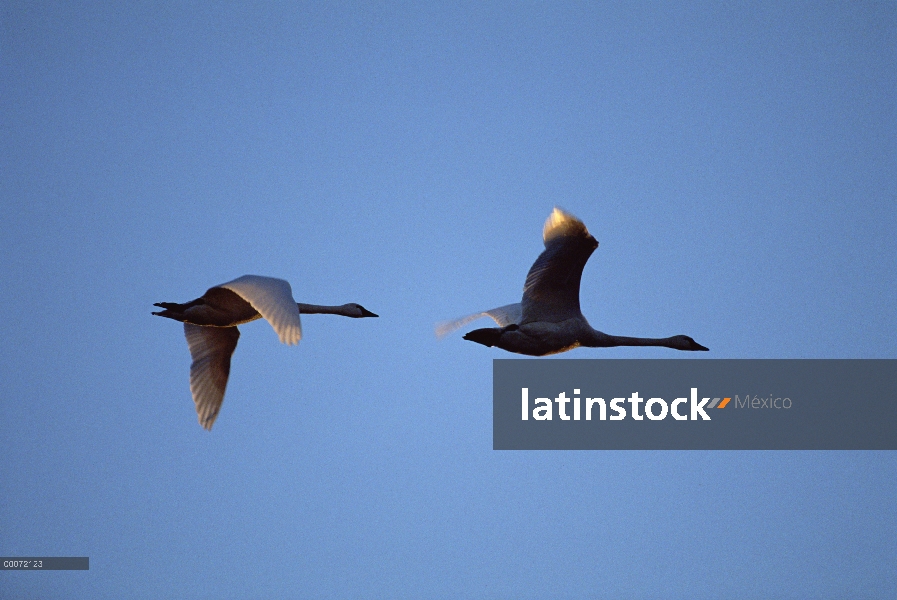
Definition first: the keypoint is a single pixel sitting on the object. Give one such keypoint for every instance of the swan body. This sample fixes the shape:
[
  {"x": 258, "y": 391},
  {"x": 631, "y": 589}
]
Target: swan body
[
  {"x": 548, "y": 319},
  {"x": 210, "y": 326}
]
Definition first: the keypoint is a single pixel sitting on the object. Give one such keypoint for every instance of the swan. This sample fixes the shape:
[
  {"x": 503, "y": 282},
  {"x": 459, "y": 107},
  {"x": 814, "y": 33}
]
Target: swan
[
  {"x": 210, "y": 324},
  {"x": 548, "y": 319}
]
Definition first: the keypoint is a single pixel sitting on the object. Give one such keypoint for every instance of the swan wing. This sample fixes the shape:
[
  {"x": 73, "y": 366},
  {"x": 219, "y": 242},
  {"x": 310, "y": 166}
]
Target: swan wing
[
  {"x": 273, "y": 298},
  {"x": 211, "y": 349},
  {"x": 551, "y": 290},
  {"x": 503, "y": 315}
]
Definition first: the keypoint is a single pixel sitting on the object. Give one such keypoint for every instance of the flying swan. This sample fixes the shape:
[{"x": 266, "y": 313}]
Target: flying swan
[
  {"x": 210, "y": 324},
  {"x": 548, "y": 319}
]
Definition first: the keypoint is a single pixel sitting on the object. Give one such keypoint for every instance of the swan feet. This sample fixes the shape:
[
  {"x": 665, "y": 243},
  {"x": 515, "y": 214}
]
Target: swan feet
[
  {"x": 174, "y": 310},
  {"x": 489, "y": 336}
]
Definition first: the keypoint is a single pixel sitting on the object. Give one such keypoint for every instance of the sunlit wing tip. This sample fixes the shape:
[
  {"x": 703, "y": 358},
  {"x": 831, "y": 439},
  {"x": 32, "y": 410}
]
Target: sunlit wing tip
[
  {"x": 291, "y": 338},
  {"x": 560, "y": 223},
  {"x": 208, "y": 400},
  {"x": 207, "y": 422},
  {"x": 289, "y": 332},
  {"x": 443, "y": 328},
  {"x": 288, "y": 328},
  {"x": 208, "y": 393}
]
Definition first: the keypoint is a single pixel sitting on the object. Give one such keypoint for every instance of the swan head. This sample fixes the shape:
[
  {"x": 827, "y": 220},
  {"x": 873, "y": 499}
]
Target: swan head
[
  {"x": 357, "y": 311},
  {"x": 683, "y": 342},
  {"x": 562, "y": 224}
]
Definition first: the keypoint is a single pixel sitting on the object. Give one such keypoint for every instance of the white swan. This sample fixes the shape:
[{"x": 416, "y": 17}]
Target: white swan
[
  {"x": 210, "y": 324},
  {"x": 548, "y": 319}
]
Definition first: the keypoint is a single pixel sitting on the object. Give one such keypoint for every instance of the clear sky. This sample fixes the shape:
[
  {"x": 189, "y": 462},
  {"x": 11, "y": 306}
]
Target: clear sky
[{"x": 736, "y": 161}]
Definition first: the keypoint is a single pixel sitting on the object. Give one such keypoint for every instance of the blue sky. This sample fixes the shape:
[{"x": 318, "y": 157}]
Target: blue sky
[{"x": 735, "y": 161}]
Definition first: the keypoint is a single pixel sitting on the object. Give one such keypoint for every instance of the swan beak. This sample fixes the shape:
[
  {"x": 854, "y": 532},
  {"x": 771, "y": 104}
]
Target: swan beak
[
  {"x": 700, "y": 347},
  {"x": 366, "y": 313}
]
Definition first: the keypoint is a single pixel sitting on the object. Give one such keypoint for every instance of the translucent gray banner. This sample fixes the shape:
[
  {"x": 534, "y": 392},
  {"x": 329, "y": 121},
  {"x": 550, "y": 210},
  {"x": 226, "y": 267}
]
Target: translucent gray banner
[{"x": 677, "y": 404}]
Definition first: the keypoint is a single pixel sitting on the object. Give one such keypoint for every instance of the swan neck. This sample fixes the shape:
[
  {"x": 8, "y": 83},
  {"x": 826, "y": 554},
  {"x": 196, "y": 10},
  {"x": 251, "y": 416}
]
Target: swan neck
[
  {"x": 317, "y": 309},
  {"x": 603, "y": 340}
]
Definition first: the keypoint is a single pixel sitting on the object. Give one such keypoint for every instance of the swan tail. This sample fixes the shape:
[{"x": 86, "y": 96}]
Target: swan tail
[{"x": 180, "y": 307}]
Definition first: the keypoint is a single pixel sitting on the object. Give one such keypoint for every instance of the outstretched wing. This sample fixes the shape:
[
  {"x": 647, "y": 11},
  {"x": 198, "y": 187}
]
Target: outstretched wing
[
  {"x": 503, "y": 315},
  {"x": 273, "y": 298},
  {"x": 551, "y": 291},
  {"x": 211, "y": 349}
]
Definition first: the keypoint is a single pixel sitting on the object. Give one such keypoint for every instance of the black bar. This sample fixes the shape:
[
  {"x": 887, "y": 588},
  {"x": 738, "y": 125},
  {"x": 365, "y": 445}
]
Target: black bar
[{"x": 44, "y": 563}]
